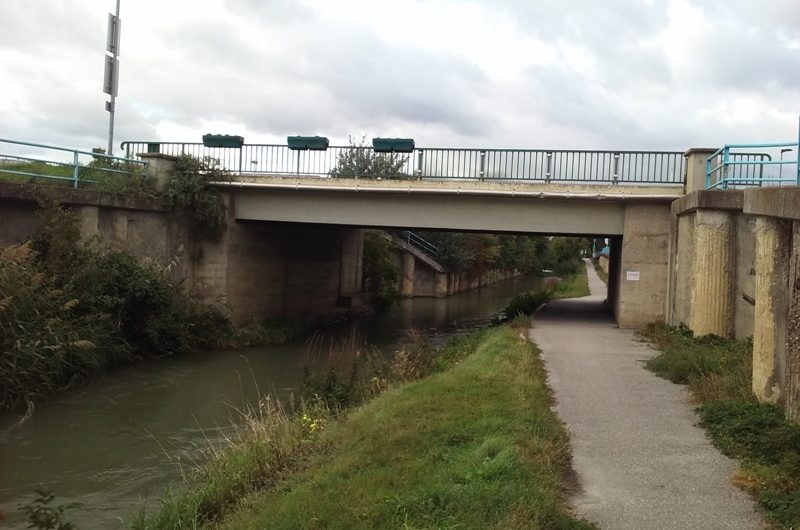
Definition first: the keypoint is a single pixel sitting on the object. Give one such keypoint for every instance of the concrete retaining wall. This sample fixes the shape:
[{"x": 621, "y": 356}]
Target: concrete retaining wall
[
  {"x": 259, "y": 269},
  {"x": 735, "y": 272}
]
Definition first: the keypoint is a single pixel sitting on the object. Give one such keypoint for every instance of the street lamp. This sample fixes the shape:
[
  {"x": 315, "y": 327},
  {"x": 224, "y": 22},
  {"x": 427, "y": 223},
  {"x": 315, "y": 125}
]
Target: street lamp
[
  {"x": 111, "y": 73},
  {"x": 780, "y": 166}
]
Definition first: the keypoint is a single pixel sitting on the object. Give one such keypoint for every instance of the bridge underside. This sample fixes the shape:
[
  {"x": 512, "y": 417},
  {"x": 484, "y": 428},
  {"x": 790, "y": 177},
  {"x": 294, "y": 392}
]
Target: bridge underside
[
  {"x": 636, "y": 220},
  {"x": 553, "y": 209}
]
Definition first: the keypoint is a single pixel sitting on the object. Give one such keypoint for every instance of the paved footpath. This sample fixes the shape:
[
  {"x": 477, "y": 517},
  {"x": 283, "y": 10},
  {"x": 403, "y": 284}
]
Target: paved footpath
[{"x": 641, "y": 461}]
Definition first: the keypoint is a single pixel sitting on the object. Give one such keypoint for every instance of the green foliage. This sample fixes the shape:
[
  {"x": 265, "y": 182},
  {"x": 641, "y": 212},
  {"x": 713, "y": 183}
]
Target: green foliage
[
  {"x": 476, "y": 253},
  {"x": 360, "y": 161},
  {"x": 112, "y": 176},
  {"x": 42, "y": 515},
  {"x": 342, "y": 373},
  {"x": 718, "y": 372},
  {"x": 714, "y": 368},
  {"x": 67, "y": 311},
  {"x": 563, "y": 255},
  {"x": 381, "y": 274},
  {"x": 265, "y": 444},
  {"x": 189, "y": 192},
  {"x": 456, "y": 253},
  {"x": 573, "y": 285},
  {"x": 526, "y": 303}
]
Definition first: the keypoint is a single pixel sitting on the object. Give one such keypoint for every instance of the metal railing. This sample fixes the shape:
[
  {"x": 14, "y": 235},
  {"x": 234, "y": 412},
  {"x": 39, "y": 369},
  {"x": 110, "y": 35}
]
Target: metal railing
[
  {"x": 38, "y": 161},
  {"x": 735, "y": 165},
  {"x": 569, "y": 166},
  {"x": 415, "y": 240}
]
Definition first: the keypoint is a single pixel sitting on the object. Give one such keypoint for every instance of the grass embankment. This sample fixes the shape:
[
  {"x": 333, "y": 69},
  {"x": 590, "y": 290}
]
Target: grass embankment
[
  {"x": 767, "y": 446},
  {"x": 572, "y": 286},
  {"x": 603, "y": 275},
  {"x": 475, "y": 445}
]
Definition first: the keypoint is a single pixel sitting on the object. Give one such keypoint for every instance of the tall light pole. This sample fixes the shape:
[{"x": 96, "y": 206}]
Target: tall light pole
[{"x": 111, "y": 74}]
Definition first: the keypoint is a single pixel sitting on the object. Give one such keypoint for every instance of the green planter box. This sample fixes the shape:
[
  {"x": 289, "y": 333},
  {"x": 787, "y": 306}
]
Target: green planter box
[
  {"x": 393, "y": 145},
  {"x": 301, "y": 143},
  {"x": 222, "y": 140}
]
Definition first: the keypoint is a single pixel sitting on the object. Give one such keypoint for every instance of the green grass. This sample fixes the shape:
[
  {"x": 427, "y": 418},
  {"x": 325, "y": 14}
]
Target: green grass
[
  {"x": 718, "y": 373},
  {"x": 603, "y": 275},
  {"x": 95, "y": 175},
  {"x": 475, "y": 445},
  {"x": 573, "y": 285}
]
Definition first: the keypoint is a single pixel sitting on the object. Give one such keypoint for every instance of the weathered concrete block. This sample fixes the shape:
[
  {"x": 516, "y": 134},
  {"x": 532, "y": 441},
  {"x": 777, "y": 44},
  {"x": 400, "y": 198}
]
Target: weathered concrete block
[
  {"x": 407, "y": 274},
  {"x": 643, "y": 278},
  {"x": 793, "y": 331},
  {"x": 712, "y": 294},
  {"x": 745, "y": 281},
  {"x": 773, "y": 247}
]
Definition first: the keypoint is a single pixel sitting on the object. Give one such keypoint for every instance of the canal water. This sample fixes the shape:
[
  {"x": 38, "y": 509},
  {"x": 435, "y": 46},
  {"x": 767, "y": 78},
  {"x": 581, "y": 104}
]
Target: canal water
[{"x": 120, "y": 442}]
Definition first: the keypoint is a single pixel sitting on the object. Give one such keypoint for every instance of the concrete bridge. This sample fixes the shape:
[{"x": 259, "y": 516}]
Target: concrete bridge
[
  {"x": 724, "y": 262},
  {"x": 624, "y": 196}
]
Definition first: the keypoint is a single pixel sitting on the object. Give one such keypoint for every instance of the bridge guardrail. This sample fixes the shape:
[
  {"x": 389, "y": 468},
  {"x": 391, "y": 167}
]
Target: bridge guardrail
[
  {"x": 730, "y": 167},
  {"x": 736, "y": 165},
  {"x": 38, "y": 161},
  {"x": 543, "y": 165}
]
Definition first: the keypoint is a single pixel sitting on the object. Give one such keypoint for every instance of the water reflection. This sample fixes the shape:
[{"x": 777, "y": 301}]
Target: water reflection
[{"x": 110, "y": 444}]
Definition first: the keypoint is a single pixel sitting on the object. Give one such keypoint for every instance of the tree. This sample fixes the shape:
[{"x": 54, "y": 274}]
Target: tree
[{"x": 358, "y": 160}]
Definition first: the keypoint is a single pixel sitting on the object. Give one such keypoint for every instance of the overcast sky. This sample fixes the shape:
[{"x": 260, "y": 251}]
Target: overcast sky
[{"x": 617, "y": 74}]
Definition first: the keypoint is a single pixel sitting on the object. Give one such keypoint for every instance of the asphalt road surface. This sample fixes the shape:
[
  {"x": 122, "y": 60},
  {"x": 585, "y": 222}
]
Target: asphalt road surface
[{"x": 641, "y": 461}]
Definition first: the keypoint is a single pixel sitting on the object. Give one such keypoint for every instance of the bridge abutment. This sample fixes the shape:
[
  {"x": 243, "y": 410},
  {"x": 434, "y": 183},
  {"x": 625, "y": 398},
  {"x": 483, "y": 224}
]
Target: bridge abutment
[
  {"x": 641, "y": 276},
  {"x": 735, "y": 272}
]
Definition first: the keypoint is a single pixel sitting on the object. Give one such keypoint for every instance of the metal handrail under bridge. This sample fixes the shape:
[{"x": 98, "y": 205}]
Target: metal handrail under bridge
[{"x": 541, "y": 165}]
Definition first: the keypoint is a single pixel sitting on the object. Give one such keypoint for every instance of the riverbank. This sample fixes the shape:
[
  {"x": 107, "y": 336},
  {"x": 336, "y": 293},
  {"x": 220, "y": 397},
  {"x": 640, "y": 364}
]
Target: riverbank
[
  {"x": 475, "y": 444},
  {"x": 718, "y": 373}
]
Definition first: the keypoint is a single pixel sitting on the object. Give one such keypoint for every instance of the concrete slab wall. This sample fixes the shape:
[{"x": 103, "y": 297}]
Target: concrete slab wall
[
  {"x": 683, "y": 259},
  {"x": 793, "y": 331},
  {"x": 644, "y": 265},
  {"x": 264, "y": 270},
  {"x": 259, "y": 269},
  {"x": 18, "y": 222},
  {"x": 745, "y": 282}
]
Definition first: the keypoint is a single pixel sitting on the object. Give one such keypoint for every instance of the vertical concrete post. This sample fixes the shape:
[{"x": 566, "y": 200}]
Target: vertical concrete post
[
  {"x": 712, "y": 296},
  {"x": 451, "y": 283},
  {"x": 159, "y": 168},
  {"x": 682, "y": 257},
  {"x": 350, "y": 268},
  {"x": 440, "y": 284},
  {"x": 772, "y": 307},
  {"x": 463, "y": 283},
  {"x": 793, "y": 332},
  {"x": 614, "y": 272},
  {"x": 407, "y": 274},
  {"x": 696, "y": 159}
]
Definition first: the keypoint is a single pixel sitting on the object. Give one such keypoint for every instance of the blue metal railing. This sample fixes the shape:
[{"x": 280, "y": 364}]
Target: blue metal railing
[
  {"x": 735, "y": 165},
  {"x": 567, "y": 166},
  {"x": 39, "y": 161}
]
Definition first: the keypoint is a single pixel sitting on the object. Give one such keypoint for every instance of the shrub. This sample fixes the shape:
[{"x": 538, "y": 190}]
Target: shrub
[
  {"x": 526, "y": 303},
  {"x": 360, "y": 161},
  {"x": 67, "y": 311},
  {"x": 189, "y": 192},
  {"x": 381, "y": 274}
]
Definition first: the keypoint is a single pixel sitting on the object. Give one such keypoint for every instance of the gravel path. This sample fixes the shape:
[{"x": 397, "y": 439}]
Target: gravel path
[{"x": 641, "y": 461}]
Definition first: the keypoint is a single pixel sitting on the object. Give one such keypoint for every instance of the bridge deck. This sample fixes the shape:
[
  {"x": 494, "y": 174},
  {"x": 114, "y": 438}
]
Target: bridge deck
[{"x": 473, "y": 205}]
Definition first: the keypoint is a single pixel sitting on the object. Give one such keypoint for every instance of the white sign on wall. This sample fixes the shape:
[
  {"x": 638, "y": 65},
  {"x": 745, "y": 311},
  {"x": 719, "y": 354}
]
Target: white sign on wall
[{"x": 632, "y": 276}]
